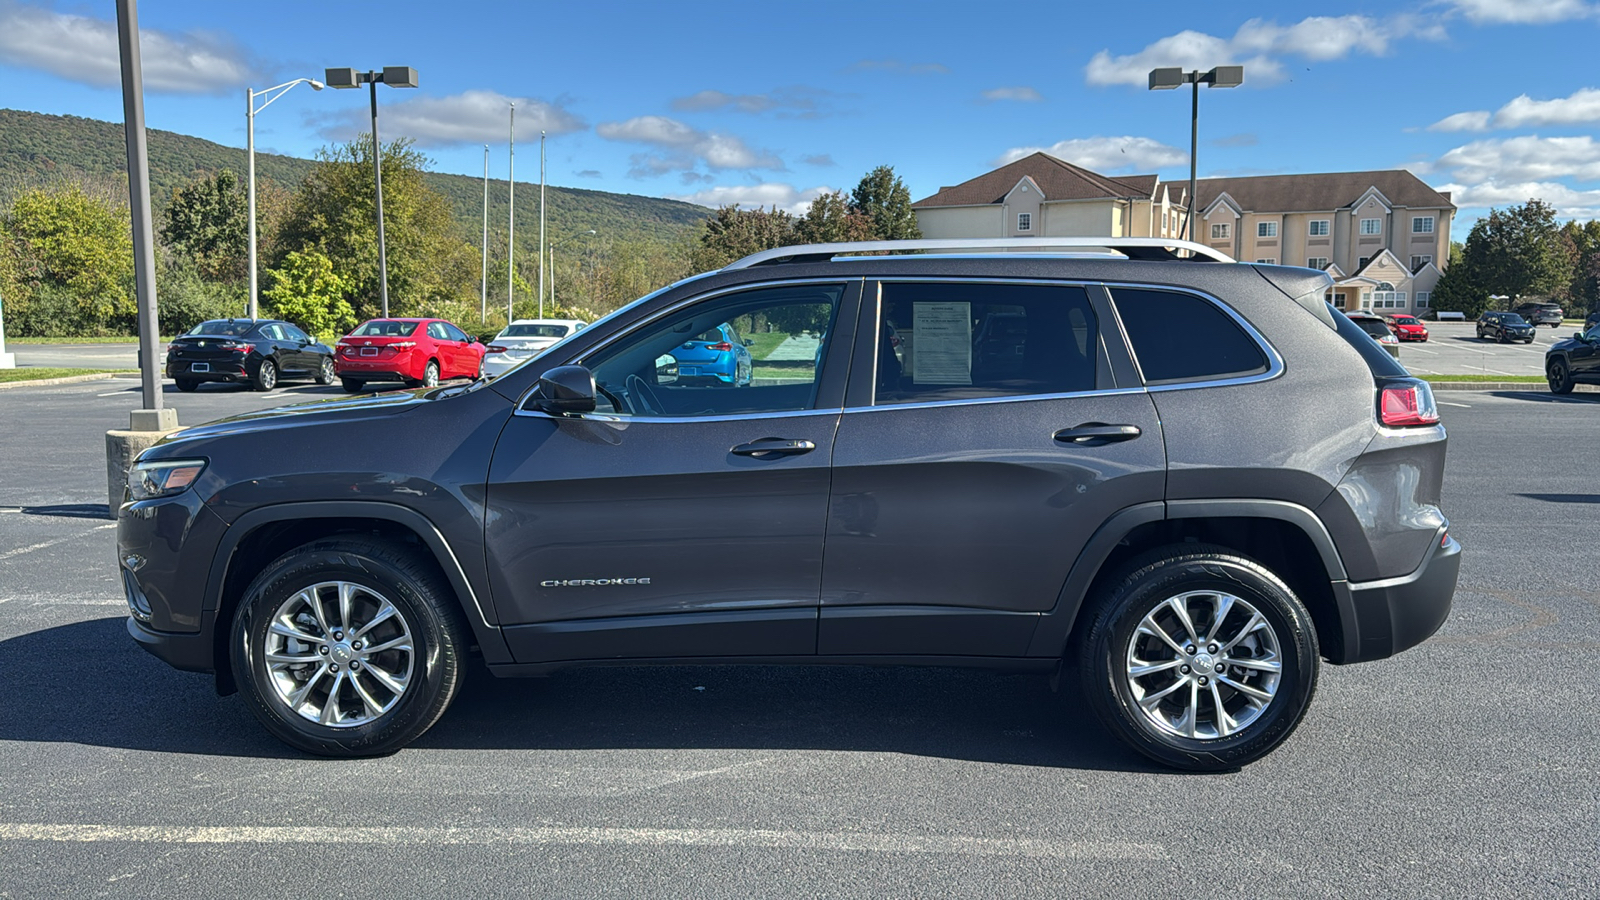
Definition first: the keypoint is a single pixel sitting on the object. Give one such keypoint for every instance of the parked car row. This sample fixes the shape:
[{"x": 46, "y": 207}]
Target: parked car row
[{"x": 417, "y": 352}]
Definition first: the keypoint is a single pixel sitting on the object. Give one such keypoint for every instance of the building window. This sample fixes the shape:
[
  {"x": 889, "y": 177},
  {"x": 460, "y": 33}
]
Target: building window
[
  {"x": 1422, "y": 299},
  {"x": 1166, "y": 222},
  {"x": 1268, "y": 261},
  {"x": 1422, "y": 224},
  {"x": 1372, "y": 226},
  {"x": 1387, "y": 300},
  {"x": 1417, "y": 262},
  {"x": 1024, "y": 221},
  {"x": 1317, "y": 262},
  {"x": 1366, "y": 299},
  {"x": 1266, "y": 229},
  {"x": 1338, "y": 300},
  {"x": 1362, "y": 263},
  {"x": 1319, "y": 228},
  {"x": 1219, "y": 232}
]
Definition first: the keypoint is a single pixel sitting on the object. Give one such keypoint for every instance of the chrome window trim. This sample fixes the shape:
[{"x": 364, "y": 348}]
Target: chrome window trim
[
  {"x": 583, "y": 358},
  {"x": 1008, "y": 398},
  {"x": 627, "y": 419},
  {"x": 1275, "y": 365}
]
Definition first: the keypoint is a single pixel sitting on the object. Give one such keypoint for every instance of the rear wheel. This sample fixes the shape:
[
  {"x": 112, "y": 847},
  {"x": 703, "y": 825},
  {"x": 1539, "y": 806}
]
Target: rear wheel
[
  {"x": 352, "y": 385},
  {"x": 430, "y": 375},
  {"x": 348, "y": 648},
  {"x": 1199, "y": 658},
  {"x": 188, "y": 385},
  {"x": 1559, "y": 377},
  {"x": 266, "y": 377}
]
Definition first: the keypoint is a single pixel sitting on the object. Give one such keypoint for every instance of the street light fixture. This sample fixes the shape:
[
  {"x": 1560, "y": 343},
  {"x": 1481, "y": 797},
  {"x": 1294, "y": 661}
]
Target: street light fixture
[
  {"x": 250, "y": 130},
  {"x": 552, "y": 254},
  {"x": 393, "y": 76},
  {"x": 1168, "y": 79}
]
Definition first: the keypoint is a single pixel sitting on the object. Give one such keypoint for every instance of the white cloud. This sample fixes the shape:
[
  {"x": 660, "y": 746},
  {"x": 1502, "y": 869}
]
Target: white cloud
[
  {"x": 1259, "y": 45},
  {"x": 895, "y": 65},
  {"x": 1523, "y": 12},
  {"x": 684, "y": 145},
  {"x": 1463, "y": 121},
  {"x": 1582, "y": 107},
  {"x": 84, "y": 49},
  {"x": 1520, "y": 159},
  {"x": 1105, "y": 154},
  {"x": 1022, "y": 94},
  {"x": 471, "y": 117},
  {"x": 758, "y": 196},
  {"x": 789, "y": 102},
  {"x": 1569, "y": 202}
]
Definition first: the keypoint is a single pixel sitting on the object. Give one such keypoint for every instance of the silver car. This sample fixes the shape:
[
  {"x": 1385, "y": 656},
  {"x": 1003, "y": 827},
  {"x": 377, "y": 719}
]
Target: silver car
[{"x": 525, "y": 338}]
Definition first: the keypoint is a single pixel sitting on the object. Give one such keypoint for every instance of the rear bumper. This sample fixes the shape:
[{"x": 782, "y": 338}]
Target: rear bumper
[{"x": 1388, "y": 616}]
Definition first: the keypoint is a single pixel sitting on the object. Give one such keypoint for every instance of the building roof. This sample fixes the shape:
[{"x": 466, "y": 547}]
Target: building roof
[
  {"x": 1058, "y": 179},
  {"x": 1320, "y": 191}
]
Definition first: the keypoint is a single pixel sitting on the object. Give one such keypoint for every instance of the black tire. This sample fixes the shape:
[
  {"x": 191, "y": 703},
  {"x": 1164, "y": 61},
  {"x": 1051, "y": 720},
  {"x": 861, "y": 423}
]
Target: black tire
[
  {"x": 1105, "y": 647},
  {"x": 1559, "y": 376},
  {"x": 425, "y": 606},
  {"x": 1500, "y": 338},
  {"x": 325, "y": 373},
  {"x": 266, "y": 376},
  {"x": 352, "y": 385},
  {"x": 188, "y": 385},
  {"x": 430, "y": 375}
]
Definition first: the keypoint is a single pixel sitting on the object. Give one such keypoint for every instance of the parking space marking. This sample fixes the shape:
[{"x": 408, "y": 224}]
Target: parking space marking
[
  {"x": 1448, "y": 403},
  {"x": 51, "y": 543},
  {"x": 849, "y": 842}
]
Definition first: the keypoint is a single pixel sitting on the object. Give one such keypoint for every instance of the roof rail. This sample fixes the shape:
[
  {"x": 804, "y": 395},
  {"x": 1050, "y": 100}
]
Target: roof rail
[{"x": 1128, "y": 247}]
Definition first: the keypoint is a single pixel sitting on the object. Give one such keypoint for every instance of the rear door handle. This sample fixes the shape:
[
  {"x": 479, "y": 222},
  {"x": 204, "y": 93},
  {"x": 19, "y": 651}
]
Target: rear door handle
[
  {"x": 1095, "y": 434},
  {"x": 768, "y": 447}
]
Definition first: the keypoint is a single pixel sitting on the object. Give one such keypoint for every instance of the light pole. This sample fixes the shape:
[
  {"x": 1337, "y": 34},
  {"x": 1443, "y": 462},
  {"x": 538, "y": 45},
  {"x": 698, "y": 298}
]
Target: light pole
[
  {"x": 1166, "y": 80},
  {"x": 566, "y": 240},
  {"x": 542, "y": 244},
  {"x": 250, "y": 110},
  {"x": 483, "y": 296},
  {"x": 393, "y": 76},
  {"x": 511, "y": 213}
]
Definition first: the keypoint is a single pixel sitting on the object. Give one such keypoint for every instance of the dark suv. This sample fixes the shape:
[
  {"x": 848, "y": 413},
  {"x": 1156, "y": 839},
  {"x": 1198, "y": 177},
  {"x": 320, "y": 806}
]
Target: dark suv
[
  {"x": 1184, "y": 479},
  {"x": 1504, "y": 327},
  {"x": 1537, "y": 314}
]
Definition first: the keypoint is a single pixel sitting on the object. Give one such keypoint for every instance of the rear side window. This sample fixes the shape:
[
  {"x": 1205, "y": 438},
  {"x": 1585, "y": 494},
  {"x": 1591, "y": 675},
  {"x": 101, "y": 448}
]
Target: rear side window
[
  {"x": 1182, "y": 337},
  {"x": 963, "y": 341}
]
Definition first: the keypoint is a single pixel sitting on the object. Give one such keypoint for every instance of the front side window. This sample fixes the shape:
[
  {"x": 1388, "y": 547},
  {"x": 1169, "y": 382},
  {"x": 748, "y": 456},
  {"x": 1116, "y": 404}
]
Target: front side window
[
  {"x": 1024, "y": 222},
  {"x": 1180, "y": 337},
  {"x": 1267, "y": 229},
  {"x": 695, "y": 362},
  {"x": 1372, "y": 226},
  {"x": 966, "y": 341},
  {"x": 1318, "y": 228},
  {"x": 295, "y": 334},
  {"x": 1219, "y": 232},
  {"x": 1422, "y": 225}
]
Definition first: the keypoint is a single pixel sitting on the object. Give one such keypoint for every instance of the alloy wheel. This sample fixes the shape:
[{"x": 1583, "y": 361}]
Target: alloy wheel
[{"x": 339, "y": 654}]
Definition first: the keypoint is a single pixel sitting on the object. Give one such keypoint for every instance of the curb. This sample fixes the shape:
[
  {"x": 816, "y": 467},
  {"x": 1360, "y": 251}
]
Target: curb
[
  {"x": 67, "y": 379},
  {"x": 1537, "y": 387}
]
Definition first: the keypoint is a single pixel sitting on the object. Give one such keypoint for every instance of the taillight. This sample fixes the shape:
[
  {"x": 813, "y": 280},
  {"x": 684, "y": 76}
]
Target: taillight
[
  {"x": 494, "y": 348},
  {"x": 723, "y": 346},
  {"x": 403, "y": 345},
  {"x": 1407, "y": 403},
  {"x": 235, "y": 346}
]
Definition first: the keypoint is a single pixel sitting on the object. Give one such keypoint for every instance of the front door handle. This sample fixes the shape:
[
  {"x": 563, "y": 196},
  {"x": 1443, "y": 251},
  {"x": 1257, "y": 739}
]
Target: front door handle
[
  {"x": 1095, "y": 434},
  {"x": 769, "y": 447}
]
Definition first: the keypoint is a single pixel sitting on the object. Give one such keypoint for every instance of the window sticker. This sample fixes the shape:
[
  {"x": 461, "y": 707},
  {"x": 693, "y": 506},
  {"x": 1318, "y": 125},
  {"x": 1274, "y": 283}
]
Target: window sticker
[{"x": 944, "y": 343}]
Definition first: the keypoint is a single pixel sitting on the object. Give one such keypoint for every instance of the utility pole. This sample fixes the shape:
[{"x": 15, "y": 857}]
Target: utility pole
[
  {"x": 544, "y": 249},
  {"x": 144, "y": 250},
  {"x": 511, "y": 222},
  {"x": 483, "y": 294}
]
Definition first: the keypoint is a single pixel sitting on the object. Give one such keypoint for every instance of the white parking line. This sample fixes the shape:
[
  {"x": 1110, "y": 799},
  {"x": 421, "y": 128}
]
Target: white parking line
[
  {"x": 1448, "y": 403},
  {"x": 957, "y": 845},
  {"x": 62, "y": 540}
]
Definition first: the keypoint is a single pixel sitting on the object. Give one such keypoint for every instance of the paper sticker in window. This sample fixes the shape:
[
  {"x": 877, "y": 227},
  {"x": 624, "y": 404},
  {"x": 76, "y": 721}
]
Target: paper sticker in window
[{"x": 944, "y": 343}]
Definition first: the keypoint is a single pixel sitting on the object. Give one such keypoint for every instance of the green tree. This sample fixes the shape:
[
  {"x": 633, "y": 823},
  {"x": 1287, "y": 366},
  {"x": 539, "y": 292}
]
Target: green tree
[
  {"x": 308, "y": 292},
  {"x": 884, "y": 199},
  {"x": 830, "y": 219},
  {"x": 1583, "y": 294},
  {"x": 73, "y": 252},
  {"x": 1519, "y": 252},
  {"x": 332, "y": 213},
  {"x": 734, "y": 233},
  {"x": 207, "y": 221}
]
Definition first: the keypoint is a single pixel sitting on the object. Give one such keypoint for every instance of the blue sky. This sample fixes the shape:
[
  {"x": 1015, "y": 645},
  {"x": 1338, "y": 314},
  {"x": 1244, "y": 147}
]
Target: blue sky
[{"x": 768, "y": 104}]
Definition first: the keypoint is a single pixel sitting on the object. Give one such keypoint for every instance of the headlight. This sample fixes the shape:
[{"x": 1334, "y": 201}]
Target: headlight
[{"x": 163, "y": 478}]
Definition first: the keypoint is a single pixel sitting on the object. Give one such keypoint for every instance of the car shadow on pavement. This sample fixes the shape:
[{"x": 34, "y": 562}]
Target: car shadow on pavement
[
  {"x": 68, "y": 510},
  {"x": 129, "y": 700},
  {"x": 1542, "y": 396}
]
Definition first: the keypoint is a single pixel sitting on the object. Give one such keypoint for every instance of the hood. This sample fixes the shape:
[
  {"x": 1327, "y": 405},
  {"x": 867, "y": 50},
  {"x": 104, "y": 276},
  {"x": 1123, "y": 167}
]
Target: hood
[{"x": 338, "y": 409}]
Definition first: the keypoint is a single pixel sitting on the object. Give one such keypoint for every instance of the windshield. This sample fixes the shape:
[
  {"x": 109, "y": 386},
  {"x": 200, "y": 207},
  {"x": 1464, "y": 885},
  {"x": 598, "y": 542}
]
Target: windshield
[
  {"x": 1372, "y": 327},
  {"x": 1405, "y": 320},
  {"x": 1513, "y": 319},
  {"x": 228, "y": 327},
  {"x": 544, "y": 331},
  {"x": 385, "y": 328}
]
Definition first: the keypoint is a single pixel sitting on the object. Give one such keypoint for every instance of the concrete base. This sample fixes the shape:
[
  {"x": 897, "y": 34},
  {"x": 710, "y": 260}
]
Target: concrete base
[
  {"x": 8, "y": 360},
  {"x": 123, "y": 447}
]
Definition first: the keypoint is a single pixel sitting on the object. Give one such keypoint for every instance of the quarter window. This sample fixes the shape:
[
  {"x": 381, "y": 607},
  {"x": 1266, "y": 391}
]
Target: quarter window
[
  {"x": 1181, "y": 337},
  {"x": 1422, "y": 225},
  {"x": 1318, "y": 228},
  {"x": 1220, "y": 232},
  {"x": 964, "y": 341},
  {"x": 689, "y": 363},
  {"x": 1267, "y": 229},
  {"x": 1372, "y": 226}
]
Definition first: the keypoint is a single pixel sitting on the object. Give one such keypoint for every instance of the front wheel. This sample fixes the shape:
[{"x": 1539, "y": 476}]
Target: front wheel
[
  {"x": 1199, "y": 658},
  {"x": 348, "y": 648},
  {"x": 325, "y": 374},
  {"x": 1559, "y": 377},
  {"x": 266, "y": 377}
]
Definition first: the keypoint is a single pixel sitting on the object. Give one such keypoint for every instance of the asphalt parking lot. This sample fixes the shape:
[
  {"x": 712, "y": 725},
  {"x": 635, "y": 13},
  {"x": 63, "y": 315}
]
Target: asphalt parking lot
[
  {"x": 1465, "y": 767},
  {"x": 1453, "y": 348}
]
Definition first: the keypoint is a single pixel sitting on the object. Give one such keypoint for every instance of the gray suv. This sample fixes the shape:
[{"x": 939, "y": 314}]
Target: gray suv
[{"x": 1186, "y": 480}]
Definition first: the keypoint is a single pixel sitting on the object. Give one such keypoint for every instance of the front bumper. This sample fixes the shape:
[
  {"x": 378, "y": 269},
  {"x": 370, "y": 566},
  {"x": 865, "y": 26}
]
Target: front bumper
[
  {"x": 190, "y": 652},
  {"x": 1394, "y": 614}
]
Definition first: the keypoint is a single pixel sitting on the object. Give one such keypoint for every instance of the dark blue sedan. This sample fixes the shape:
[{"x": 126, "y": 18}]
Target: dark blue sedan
[{"x": 717, "y": 356}]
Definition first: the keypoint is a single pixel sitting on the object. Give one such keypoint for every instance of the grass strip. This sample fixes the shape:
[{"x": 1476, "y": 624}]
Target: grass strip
[
  {"x": 128, "y": 339},
  {"x": 762, "y": 344},
  {"x": 39, "y": 374}
]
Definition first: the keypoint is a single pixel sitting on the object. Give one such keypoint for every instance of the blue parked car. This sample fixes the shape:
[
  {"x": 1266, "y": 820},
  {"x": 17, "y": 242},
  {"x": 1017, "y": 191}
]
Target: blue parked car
[{"x": 718, "y": 356}]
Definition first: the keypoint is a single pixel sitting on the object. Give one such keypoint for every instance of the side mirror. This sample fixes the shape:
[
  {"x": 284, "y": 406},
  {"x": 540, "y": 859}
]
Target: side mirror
[
  {"x": 1580, "y": 336},
  {"x": 565, "y": 390},
  {"x": 749, "y": 342}
]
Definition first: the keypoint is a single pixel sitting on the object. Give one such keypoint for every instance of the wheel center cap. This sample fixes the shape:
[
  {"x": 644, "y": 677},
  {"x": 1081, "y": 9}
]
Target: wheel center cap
[
  {"x": 342, "y": 654},
  {"x": 1204, "y": 663}
]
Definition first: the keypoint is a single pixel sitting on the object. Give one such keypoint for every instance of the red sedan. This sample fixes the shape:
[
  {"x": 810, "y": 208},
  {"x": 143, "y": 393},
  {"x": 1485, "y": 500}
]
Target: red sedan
[
  {"x": 419, "y": 352},
  {"x": 1408, "y": 328}
]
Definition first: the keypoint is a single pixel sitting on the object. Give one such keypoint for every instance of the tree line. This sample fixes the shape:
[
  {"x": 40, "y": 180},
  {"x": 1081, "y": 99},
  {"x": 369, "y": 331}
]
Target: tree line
[{"x": 1521, "y": 253}]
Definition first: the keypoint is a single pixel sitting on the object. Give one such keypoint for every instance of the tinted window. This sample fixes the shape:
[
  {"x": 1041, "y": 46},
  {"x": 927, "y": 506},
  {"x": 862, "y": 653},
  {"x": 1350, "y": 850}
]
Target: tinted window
[
  {"x": 454, "y": 333},
  {"x": 553, "y": 331},
  {"x": 962, "y": 341},
  {"x": 295, "y": 334},
  {"x": 665, "y": 369},
  {"x": 224, "y": 326},
  {"x": 386, "y": 328},
  {"x": 1512, "y": 319},
  {"x": 1182, "y": 337},
  {"x": 272, "y": 332}
]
